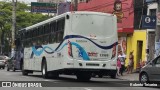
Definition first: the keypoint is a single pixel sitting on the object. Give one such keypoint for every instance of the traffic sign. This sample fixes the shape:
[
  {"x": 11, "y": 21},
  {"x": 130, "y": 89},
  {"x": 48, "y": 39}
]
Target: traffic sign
[
  {"x": 148, "y": 22},
  {"x": 43, "y": 7}
]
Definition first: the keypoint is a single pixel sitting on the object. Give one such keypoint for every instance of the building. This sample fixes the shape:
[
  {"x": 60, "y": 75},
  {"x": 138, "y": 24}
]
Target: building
[
  {"x": 151, "y": 11},
  {"x": 51, "y": 1}
]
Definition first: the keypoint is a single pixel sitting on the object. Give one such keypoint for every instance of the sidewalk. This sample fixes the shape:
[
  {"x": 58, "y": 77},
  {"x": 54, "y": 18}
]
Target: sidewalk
[{"x": 130, "y": 77}]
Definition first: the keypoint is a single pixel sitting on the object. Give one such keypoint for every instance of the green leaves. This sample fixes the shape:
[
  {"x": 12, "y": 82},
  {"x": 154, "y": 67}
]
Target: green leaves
[{"x": 24, "y": 17}]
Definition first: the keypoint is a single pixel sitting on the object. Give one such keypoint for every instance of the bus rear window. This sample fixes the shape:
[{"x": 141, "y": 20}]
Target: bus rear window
[{"x": 99, "y": 25}]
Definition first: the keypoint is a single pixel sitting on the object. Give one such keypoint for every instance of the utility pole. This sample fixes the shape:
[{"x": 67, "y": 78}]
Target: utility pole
[
  {"x": 75, "y": 5},
  {"x": 13, "y": 26},
  {"x": 57, "y": 2}
]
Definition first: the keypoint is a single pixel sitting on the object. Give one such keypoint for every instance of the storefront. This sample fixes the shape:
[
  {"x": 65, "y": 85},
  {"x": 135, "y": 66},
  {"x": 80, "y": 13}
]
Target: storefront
[{"x": 137, "y": 42}]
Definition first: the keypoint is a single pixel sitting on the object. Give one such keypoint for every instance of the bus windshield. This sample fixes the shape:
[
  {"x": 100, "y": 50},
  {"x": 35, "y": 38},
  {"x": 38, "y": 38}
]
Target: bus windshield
[{"x": 98, "y": 25}]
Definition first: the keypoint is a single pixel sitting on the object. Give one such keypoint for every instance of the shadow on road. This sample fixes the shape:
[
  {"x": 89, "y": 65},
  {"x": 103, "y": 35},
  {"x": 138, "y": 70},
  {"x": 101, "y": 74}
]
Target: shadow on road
[{"x": 67, "y": 79}]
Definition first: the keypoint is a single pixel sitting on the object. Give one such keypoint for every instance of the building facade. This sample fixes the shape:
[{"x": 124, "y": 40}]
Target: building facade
[{"x": 151, "y": 11}]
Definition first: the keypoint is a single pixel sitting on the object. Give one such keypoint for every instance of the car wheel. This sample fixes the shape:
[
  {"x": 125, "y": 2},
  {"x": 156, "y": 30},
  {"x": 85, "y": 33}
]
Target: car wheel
[
  {"x": 14, "y": 69},
  {"x": 3, "y": 67},
  {"x": 144, "y": 78},
  {"x": 7, "y": 68}
]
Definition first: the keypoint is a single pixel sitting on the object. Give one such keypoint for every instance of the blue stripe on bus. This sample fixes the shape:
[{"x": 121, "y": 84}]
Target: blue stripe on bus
[
  {"x": 83, "y": 52},
  {"x": 39, "y": 52},
  {"x": 78, "y": 36}
]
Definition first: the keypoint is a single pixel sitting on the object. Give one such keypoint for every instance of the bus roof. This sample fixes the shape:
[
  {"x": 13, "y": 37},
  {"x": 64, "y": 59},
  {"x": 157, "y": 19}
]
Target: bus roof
[{"x": 63, "y": 15}]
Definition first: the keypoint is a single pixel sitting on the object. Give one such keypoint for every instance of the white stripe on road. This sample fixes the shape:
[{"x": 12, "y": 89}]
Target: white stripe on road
[
  {"x": 25, "y": 76},
  {"x": 87, "y": 89}
]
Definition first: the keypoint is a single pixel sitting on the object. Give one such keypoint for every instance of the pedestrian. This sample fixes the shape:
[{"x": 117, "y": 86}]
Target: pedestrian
[
  {"x": 118, "y": 66},
  {"x": 131, "y": 62},
  {"x": 122, "y": 58}
]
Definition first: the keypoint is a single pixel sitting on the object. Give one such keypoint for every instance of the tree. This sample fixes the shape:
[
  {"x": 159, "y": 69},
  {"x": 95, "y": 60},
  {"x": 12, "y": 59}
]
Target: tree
[{"x": 24, "y": 18}]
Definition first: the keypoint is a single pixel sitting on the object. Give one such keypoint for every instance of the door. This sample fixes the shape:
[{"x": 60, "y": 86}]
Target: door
[
  {"x": 151, "y": 45},
  {"x": 139, "y": 53}
]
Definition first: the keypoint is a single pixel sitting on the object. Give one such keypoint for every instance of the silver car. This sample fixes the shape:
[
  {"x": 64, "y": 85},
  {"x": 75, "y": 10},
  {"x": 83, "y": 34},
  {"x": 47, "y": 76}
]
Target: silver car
[
  {"x": 151, "y": 71},
  {"x": 2, "y": 62}
]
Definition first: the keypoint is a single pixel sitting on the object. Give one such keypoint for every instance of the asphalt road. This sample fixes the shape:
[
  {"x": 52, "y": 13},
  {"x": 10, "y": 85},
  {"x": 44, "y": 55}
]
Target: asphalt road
[{"x": 66, "y": 82}]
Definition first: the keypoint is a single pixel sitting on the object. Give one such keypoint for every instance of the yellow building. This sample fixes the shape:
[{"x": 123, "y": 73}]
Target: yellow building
[{"x": 137, "y": 42}]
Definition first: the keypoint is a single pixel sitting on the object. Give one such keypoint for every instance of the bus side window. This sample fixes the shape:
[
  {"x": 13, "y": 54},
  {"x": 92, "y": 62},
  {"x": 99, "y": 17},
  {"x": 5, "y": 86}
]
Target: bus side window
[
  {"x": 41, "y": 35},
  {"x": 52, "y": 34},
  {"x": 60, "y": 32}
]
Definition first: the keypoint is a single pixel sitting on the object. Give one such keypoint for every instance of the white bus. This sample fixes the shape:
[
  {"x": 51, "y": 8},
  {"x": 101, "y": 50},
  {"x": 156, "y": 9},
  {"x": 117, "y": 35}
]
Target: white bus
[{"x": 79, "y": 43}]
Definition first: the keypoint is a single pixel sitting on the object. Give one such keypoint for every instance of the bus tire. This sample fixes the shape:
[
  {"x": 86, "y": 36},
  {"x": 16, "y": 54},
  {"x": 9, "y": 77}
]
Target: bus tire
[
  {"x": 113, "y": 76},
  {"x": 55, "y": 75},
  {"x": 44, "y": 70},
  {"x": 100, "y": 76},
  {"x": 83, "y": 76},
  {"x": 24, "y": 72}
]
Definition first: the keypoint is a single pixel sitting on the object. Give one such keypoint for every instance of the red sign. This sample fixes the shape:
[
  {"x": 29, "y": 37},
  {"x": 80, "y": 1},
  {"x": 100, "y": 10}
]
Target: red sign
[{"x": 123, "y": 9}]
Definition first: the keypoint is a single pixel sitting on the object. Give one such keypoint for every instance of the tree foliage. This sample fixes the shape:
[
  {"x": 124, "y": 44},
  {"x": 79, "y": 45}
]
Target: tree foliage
[{"x": 24, "y": 18}]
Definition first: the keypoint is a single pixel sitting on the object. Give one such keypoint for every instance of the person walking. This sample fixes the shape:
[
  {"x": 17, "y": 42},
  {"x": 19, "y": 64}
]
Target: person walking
[
  {"x": 122, "y": 58},
  {"x": 118, "y": 66},
  {"x": 131, "y": 62}
]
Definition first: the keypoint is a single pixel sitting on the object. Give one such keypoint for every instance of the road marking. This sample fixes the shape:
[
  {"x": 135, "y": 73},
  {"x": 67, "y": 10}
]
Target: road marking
[
  {"x": 47, "y": 80},
  {"x": 87, "y": 89},
  {"x": 25, "y": 76}
]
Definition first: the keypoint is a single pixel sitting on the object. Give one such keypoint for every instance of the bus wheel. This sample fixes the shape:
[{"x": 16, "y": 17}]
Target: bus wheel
[
  {"x": 44, "y": 70},
  {"x": 83, "y": 76},
  {"x": 55, "y": 75},
  {"x": 113, "y": 76},
  {"x": 24, "y": 72},
  {"x": 100, "y": 76}
]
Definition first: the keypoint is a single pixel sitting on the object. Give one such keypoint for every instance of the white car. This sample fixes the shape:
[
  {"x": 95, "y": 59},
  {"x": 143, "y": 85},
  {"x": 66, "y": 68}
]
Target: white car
[{"x": 2, "y": 62}]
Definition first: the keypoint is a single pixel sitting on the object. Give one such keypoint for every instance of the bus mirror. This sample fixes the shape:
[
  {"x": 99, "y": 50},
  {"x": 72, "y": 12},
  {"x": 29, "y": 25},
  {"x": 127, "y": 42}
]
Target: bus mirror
[
  {"x": 17, "y": 42},
  {"x": 67, "y": 16}
]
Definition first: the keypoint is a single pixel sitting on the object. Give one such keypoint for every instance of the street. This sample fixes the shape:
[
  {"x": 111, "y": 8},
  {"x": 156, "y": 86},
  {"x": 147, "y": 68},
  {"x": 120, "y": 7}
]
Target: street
[{"x": 69, "y": 82}]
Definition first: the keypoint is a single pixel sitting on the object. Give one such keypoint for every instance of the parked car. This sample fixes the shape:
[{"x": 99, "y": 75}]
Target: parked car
[
  {"x": 2, "y": 62},
  {"x": 11, "y": 64},
  {"x": 151, "y": 71}
]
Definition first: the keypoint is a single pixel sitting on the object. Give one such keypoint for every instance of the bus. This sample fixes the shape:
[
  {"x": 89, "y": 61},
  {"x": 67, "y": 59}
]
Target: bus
[{"x": 75, "y": 43}]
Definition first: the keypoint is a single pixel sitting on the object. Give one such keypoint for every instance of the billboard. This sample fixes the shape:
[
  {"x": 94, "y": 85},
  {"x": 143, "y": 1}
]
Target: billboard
[
  {"x": 43, "y": 7},
  {"x": 123, "y": 9}
]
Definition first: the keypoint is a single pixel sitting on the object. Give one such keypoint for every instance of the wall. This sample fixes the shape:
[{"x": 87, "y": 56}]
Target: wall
[
  {"x": 124, "y": 9},
  {"x": 132, "y": 45}
]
